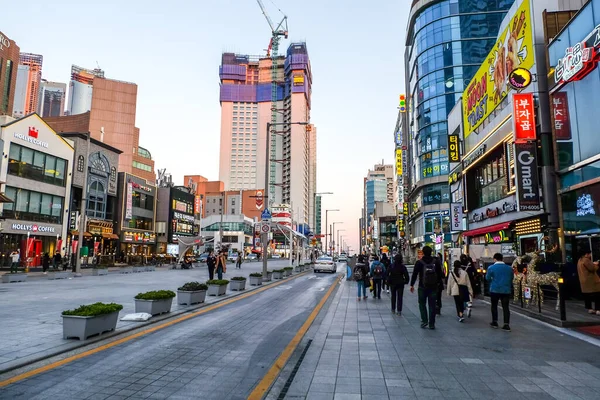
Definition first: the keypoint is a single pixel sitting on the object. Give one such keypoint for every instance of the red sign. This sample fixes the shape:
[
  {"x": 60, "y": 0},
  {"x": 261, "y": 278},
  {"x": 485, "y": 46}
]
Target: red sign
[
  {"x": 259, "y": 199},
  {"x": 197, "y": 205},
  {"x": 33, "y": 132},
  {"x": 560, "y": 112},
  {"x": 523, "y": 117},
  {"x": 579, "y": 60}
]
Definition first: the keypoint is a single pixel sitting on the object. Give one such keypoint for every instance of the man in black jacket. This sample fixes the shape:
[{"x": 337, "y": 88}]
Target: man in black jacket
[{"x": 429, "y": 271}]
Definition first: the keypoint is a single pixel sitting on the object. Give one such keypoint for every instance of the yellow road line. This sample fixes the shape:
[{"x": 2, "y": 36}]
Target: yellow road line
[
  {"x": 263, "y": 386},
  {"x": 155, "y": 328}
]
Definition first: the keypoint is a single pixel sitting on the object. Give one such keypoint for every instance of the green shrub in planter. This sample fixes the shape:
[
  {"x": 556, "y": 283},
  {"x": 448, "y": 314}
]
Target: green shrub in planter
[
  {"x": 156, "y": 295},
  {"x": 239, "y": 278},
  {"x": 279, "y": 270},
  {"x": 193, "y": 287},
  {"x": 256, "y": 275},
  {"x": 220, "y": 282},
  {"x": 288, "y": 269},
  {"x": 93, "y": 310}
]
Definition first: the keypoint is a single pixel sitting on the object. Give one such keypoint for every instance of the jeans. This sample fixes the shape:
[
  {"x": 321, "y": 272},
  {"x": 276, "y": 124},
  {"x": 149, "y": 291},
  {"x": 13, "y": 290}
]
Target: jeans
[
  {"x": 361, "y": 285},
  {"x": 377, "y": 288},
  {"x": 592, "y": 297},
  {"x": 438, "y": 301},
  {"x": 427, "y": 297},
  {"x": 460, "y": 305},
  {"x": 211, "y": 273},
  {"x": 397, "y": 292},
  {"x": 14, "y": 267},
  {"x": 220, "y": 273},
  {"x": 504, "y": 299}
]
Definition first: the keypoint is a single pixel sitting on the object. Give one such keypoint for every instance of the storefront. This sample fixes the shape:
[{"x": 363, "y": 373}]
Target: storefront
[
  {"x": 574, "y": 86},
  {"x": 181, "y": 215},
  {"x": 35, "y": 175}
]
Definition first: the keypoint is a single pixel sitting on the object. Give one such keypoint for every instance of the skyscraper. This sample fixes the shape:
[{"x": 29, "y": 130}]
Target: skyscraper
[
  {"x": 27, "y": 90},
  {"x": 245, "y": 96},
  {"x": 446, "y": 43},
  {"x": 9, "y": 55},
  {"x": 81, "y": 88},
  {"x": 52, "y": 99}
]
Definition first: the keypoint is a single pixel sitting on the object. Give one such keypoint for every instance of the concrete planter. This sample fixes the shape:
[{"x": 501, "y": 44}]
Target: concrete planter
[
  {"x": 139, "y": 269},
  {"x": 150, "y": 268},
  {"x": 287, "y": 273},
  {"x": 255, "y": 281},
  {"x": 9, "y": 278},
  {"x": 153, "y": 307},
  {"x": 59, "y": 275},
  {"x": 237, "y": 285},
  {"x": 277, "y": 275},
  {"x": 187, "y": 298},
  {"x": 297, "y": 269},
  {"x": 217, "y": 290},
  {"x": 99, "y": 271},
  {"x": 84, "y": 327},
  {"x": 126, "y": 270},
  {"x": 269, "y": 277}
]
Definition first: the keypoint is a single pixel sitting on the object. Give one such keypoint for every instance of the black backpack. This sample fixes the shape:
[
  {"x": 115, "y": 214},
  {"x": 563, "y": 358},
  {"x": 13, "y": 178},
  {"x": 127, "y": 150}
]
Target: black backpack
[
  {"x": 396, "y": 274},
  {"x": 430, "y": 278},
  {"x": 358, "y": 273}
]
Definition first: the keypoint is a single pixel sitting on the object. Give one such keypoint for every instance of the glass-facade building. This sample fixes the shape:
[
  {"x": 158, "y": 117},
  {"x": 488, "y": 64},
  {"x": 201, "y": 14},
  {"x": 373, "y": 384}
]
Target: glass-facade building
[
  {"x": 446, "y": 43},
  {"x": 376, "y": 190}
]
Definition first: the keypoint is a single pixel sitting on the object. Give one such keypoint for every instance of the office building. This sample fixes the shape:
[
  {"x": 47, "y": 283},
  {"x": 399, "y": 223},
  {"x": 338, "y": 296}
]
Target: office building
[
  {"x": 52, "y": 99},
  {"x": 246, "y": 108},
  {"x": 9, "y": 55},
  {"x": 27, "y": 90}
]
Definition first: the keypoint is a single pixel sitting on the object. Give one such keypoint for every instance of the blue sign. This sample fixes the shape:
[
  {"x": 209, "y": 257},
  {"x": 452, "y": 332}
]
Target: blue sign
[{"x": 266, "y": 214}]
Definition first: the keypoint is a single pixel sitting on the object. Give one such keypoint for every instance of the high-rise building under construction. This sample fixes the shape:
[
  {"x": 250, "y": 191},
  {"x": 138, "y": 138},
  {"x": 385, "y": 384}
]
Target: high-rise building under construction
[{"x": 246, "y": 96}]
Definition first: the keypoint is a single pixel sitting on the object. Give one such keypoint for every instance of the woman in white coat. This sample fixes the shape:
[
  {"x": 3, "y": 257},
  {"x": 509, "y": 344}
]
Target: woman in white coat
[{"x": 459, "y": 287}]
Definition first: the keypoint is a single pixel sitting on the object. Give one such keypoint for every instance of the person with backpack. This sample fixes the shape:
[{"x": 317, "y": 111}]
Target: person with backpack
[
  {"x": 459, "y": 287},
  {"x": 467, "y": 265},
  {"x": 397, "y": 277},
  {"x": 500, "y": 276},
  {"x": 361, "y": 276},
  {"x": 377, "y": 273},
  {"x": 387, "y": 263},
  {"x": 429, "y": 272}
]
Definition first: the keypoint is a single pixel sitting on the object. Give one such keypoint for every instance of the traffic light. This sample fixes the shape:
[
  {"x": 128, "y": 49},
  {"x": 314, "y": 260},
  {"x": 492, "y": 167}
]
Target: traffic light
[{"x": 402, "y": 105}]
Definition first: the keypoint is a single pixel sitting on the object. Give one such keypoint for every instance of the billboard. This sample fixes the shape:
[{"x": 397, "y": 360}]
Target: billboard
[
  {"x": 528, "y": 187},
  {"x": 399, "y": 162},
  {"x": 513, "y": 49},
  {"x": 129, "y": 208}
]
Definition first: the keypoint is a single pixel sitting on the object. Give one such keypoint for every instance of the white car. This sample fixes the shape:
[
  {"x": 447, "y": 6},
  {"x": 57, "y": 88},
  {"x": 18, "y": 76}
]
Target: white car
[
  {"x": 325, "y": 264},
  {"x": 343, "y": 258},
  {"x": 275, "y": 256}
]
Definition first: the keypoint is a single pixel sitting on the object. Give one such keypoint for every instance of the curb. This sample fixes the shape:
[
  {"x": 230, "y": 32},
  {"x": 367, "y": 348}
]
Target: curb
[{"x": 115, "y": 334}]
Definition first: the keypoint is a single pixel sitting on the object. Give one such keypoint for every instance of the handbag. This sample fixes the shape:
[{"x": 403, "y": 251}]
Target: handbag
[{"x": 463, "y": 290}]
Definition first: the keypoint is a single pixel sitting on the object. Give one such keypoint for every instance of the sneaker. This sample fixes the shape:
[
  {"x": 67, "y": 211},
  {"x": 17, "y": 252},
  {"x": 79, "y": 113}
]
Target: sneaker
[
  {"x": 365, "y": 297},
  {"x": 494, "y": 325},
  {"x": 399, "y": 313},
  {"x": 424, "y": 325},
  {"x": 432, "y": 327},
  {"x": 358, "y": 299},
  {"x": 461, "y": 319},
  {"x": 469, "y": 312},
  {"x": 470, "y": 304},
  {"x": 506, "y": 328}
]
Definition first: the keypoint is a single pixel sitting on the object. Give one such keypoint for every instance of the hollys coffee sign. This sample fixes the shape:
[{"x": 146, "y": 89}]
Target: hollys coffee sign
[
  {"x": 528, "y": 188},
  {"x": 33, "y": 228}
]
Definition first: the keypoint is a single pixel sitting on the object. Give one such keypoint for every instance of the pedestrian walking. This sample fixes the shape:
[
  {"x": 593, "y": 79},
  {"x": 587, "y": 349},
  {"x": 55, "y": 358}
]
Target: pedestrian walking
[
  {"x": 238, "y": 261},
  {"x": 387, "y": 263},
  {"x": 45, "y": 263},
  {"x": 361, "y": 276},
  {"x": 467, "y": 264},
  {"x": 397, "y": 277},
  {"x": 377, "y": 273},
  {"x": 500, "y": 275},
  {"x": 15, "y": 257},
  {"x": 589, "y": 281},
  {"x": 459, "y": 287},
  {"x": 221, "y": 265},
  {"x": 429, "y": 272},
  {"x": 57, "y": 260},
  {"x": 211, "y": 262}
]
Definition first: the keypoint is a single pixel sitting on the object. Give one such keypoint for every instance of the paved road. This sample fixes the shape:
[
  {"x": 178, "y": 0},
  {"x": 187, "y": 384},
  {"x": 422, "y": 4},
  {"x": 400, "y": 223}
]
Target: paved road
[
  {"x": 30, "y": 311},
  {"x": 362, "y": 351},
  {"x": 219, "y": 355}
]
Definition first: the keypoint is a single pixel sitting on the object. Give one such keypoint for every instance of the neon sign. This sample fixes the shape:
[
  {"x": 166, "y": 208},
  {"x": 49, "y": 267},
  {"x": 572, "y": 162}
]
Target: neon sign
[
  {"x": 579, "y": 60},
  {"x": 585, "y": 205}
]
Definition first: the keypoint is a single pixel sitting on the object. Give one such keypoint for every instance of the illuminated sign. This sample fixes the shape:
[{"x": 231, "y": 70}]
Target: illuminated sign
[
  {"x": 585, "y": 206},
  {"x": 129, "y": 208},
  {"x": 399, "y": 138},
  {"x": 497, "y": 237},
  {"x": 402, "y": 103},
  {"x": 456, "y": 217},
  {"x": 34, "y": 228},
  {"x": 454, "y": 148},
  {"x": 141, "y": 187},
  {"x": 579, "y": 60},
  {"x": 259, "y": 199},
  {"x": 523, "y": 117},
  {"x": 197, "y": 205},
  {"x": 560, "y": 114},
  {"x": 489, "y": 86},
  {"x": 399, "y": 162},
  {"x": 405, "y": 209},
  {"x": 493, "y": 212},
  {"x": 519, "y": 78},
  {"x": 454, "y": 177},
  {"x": 528, "y": 189},
  {"x": 298, "y": 80}
]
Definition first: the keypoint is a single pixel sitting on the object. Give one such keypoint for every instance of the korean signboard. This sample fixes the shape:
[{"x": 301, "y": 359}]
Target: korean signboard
[
  {"x": 399, "y": 162},
  {"x": 579, "y": 60},
  {"x": 523, "y": 117},
  {"x": 129, "y": 207},
  {"x": 560, "y": 115},
  {"x": 456, "y": 217},
  {"x": 197, "y": 205},
  {"x": 453, "y": 145},
  {"x": 398, "y": 138},
  {"x": 528, "y": 189},
  {"x": 513, "y": 49}
]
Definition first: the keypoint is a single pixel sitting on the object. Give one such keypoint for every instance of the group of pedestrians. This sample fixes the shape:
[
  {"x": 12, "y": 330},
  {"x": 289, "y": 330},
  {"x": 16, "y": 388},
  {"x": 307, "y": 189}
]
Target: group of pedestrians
[
  {"x": 429, "y": 276},
  {"x": 216, "y": 263}
]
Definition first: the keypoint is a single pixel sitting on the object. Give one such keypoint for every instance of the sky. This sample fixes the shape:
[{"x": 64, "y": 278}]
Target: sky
[{"x": 172, "y": 51}]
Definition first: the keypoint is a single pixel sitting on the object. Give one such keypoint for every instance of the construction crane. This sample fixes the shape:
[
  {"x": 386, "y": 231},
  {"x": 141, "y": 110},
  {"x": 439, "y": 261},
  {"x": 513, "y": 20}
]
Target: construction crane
[{"x": 277, "y": 31}]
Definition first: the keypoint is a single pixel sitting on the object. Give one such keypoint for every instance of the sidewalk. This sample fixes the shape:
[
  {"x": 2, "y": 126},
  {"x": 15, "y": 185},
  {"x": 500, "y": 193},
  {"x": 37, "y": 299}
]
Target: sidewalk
[
  {"x": 362, "y": 351},
  {"x": 30, "y": 312}
]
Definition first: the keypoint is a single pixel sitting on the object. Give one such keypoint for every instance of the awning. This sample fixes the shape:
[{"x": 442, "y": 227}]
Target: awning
[
  {"x": 110, "y": 236},
  {"x": 487, "y": 229},
  {"x": 5, "y": 199},
  {"x": 85, "y": 234}
]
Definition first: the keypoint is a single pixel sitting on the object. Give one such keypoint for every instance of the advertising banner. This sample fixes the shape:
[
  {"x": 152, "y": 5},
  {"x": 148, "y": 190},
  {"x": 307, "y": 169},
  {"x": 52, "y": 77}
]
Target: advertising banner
[
  {"x": 399, "y": 162},
  {"x": 259, "y": 199},
  {"x": 453, "y": 145},
  {"x": 129, "y": 200},
  {"x": 523, "y": 117},
  {"x": 528, "y": 188},
  {"x": 513, "y": 49},
  {"x": 560, "y": 114},
  {"x": 399, "y": 138},
  {"x": 456, "y": 217}
]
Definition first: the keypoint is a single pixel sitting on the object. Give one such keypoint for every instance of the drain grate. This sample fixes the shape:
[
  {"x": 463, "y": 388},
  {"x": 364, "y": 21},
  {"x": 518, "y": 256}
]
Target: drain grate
[{"x": 290, "y": 379}]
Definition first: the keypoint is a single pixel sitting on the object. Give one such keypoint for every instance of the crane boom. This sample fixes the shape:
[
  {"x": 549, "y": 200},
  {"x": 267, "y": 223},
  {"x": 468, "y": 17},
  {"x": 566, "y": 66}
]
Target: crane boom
[
  {"x": 279, "y": 30},
  {"x": 264, "y": 11}
]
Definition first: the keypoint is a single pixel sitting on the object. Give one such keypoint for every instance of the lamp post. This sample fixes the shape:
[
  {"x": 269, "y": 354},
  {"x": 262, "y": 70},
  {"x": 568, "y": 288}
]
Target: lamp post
[
  {"x": 339, "y": 238},
  {"x": 326, "y": 215},
  {"x": 333, "y": 237},
  {"x": 265, "y": 236}
]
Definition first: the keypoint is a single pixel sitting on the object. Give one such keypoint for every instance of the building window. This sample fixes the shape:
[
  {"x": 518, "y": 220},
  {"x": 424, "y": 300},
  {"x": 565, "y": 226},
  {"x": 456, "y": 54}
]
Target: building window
[
  {"x": 80, "y": 163},
  {"x": 143, "y": 200},
  {"x": 141, "y": 166},
  {"x": 31, "y": 164},
  {"x": 33, "y": 206},
  {"x": 487, "y": 182},
  {"x": 113, "y": 174},
  {"x": 96, "y": 207}
]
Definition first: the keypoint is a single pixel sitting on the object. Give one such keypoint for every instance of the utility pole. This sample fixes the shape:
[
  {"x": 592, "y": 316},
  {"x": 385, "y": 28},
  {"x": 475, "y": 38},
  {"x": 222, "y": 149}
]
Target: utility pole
[
  {"x": 265, "y": 236},
  {"x": 326, "y": 225},
  {"x": 83, "y": 205}
]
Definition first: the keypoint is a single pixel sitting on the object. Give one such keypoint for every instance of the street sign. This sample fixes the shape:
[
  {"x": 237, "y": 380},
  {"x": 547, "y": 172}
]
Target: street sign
[
  {"x": 265, "y": 227},
  {"x": 266, "y": 214}
]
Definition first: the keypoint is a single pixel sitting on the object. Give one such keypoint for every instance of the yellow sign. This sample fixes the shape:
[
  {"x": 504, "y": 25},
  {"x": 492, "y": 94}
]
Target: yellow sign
[
  {"x": 298, "y": 80},
  {"x": 399, "y": 162},
  {"x": 513, "y": 49},
  {"x": 454, "y": 149}
]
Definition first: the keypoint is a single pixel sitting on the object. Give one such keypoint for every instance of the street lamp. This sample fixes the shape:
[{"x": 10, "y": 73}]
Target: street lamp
[
  {"x": 326, "y": 215},
  {"x": 333, "y": 235},
  {"x": 339, "y": 243},
  {"x": 265, "y": 236}
]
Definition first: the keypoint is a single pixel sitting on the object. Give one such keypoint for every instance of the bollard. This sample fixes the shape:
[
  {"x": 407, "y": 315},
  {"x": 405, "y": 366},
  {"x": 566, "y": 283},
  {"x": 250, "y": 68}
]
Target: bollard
[{"x": 562, "y": 304}]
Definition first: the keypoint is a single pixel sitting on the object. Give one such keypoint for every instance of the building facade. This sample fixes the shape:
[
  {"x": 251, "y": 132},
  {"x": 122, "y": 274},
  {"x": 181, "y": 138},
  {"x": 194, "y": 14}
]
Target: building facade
[
  {"x": 52, "y": 99},
  {"x": 9, "y": 62},
  {"x": 81, "y": 88},
  {"x": 175, "y": 217},
  {"x": 36, "y": 176},
  {"x": 28, "y": 84}
]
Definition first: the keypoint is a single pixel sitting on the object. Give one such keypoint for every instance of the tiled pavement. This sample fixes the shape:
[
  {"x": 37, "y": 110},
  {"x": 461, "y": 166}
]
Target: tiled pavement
[
  {"x": 362, "y": 351},
  {"x": 30, "y": 321}
]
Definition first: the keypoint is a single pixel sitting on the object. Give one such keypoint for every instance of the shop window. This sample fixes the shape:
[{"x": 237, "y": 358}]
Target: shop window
[
  {"x": 33, "y": 206},
  {"x": 96, "y": 207},
  {"x": 487, "y": 182},
  {"x": 31, "y": 164}
]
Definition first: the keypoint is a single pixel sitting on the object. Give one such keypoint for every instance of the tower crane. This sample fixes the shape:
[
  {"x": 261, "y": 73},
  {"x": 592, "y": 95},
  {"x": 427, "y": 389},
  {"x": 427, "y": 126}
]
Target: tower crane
[{"x": 277, "y": 31}]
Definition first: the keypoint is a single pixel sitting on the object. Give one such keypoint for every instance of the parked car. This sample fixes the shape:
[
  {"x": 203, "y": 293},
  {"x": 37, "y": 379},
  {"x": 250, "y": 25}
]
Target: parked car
[
  {"x": 251, "y": 257},
  {"x": 342, "y": 258},
  {"x": 275, "y": 256},
  {"x": 325, "y": 264},
  {"x": 202, "y": 257},
  {"x": 232, "y": 257}
]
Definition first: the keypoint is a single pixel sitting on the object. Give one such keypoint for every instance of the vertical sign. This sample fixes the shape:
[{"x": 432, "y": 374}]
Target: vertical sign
[
  {"x": 399, "y": 138},
  {"x": 560, "y": 113},
  {"x": 523, "y": 117},
  {"x": 456, "y": 217},
  {"x": 197, "y": 205},
  {"x": 259, "y": 199},
  {"x": 129, "y": 208},
  {"x": 454, "y": 152},
  {"x": 528, "y": 188},
  {"x": 399, "y": 162}
]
